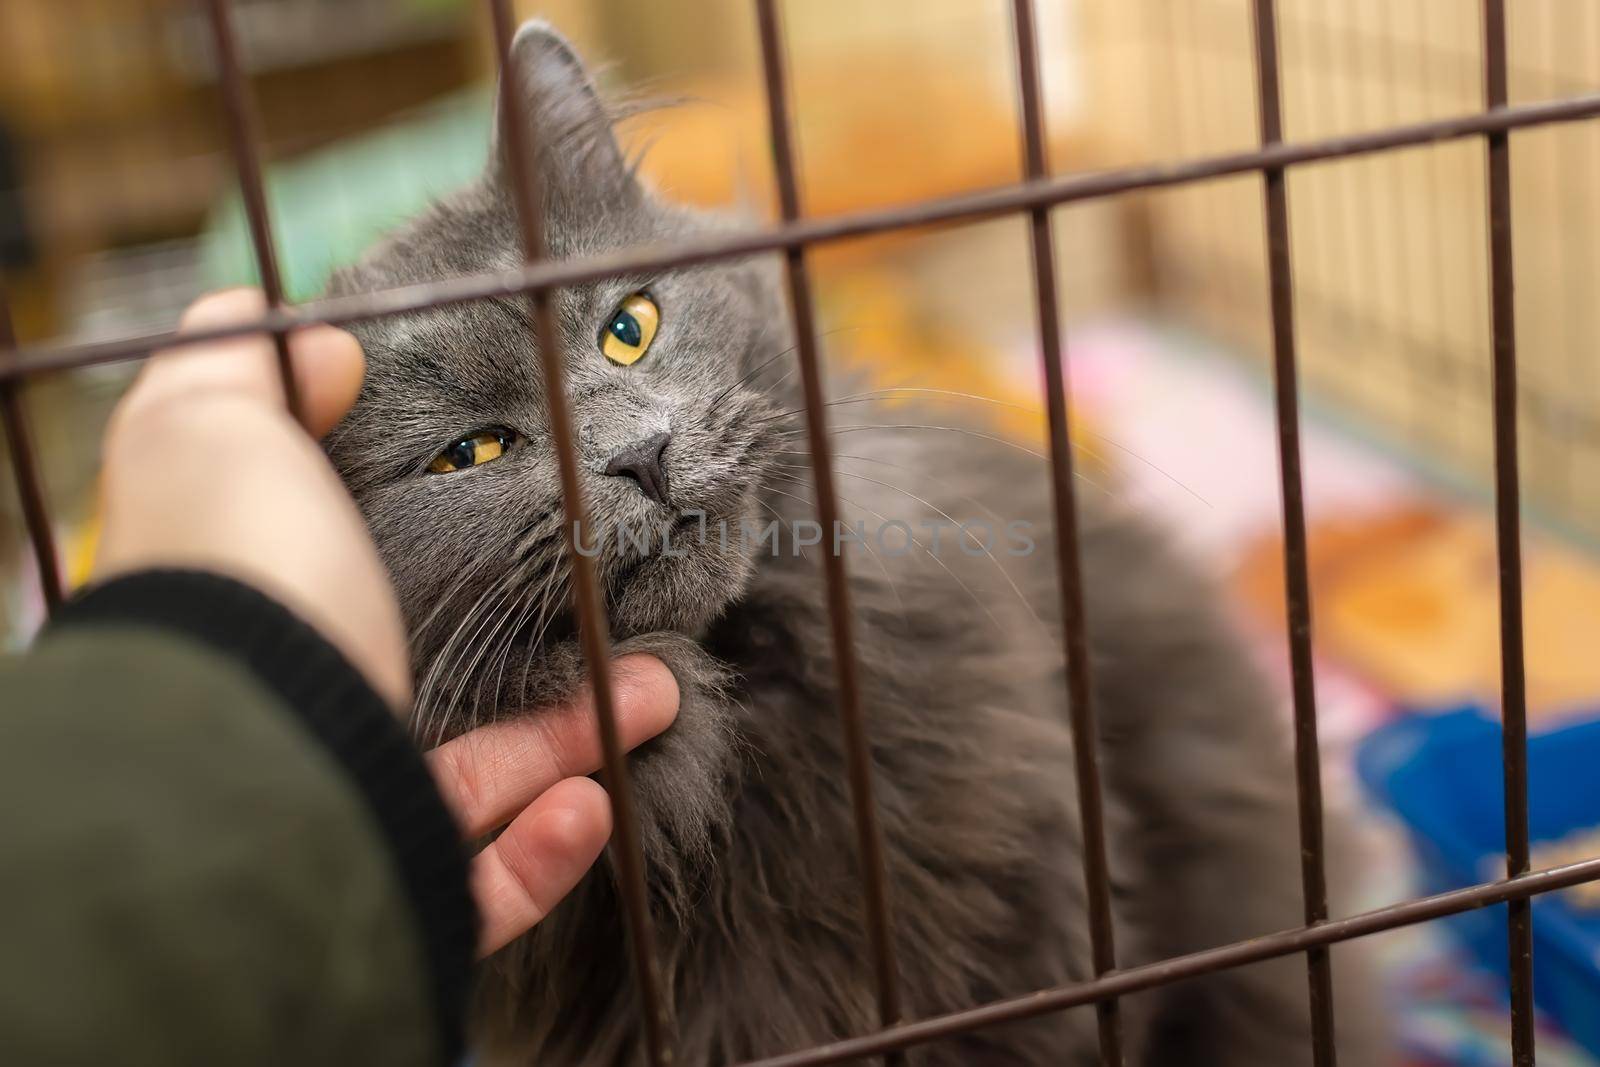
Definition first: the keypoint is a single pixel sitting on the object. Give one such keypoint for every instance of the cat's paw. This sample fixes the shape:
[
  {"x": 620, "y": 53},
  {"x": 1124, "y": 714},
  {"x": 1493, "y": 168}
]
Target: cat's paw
[
  {"x": 700, "y": 676},
  {"x": 681, "y": 779}
]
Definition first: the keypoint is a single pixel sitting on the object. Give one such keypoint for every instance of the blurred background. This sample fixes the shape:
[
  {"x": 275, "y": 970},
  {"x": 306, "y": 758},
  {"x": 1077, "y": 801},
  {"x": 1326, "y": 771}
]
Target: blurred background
[{"x": 118, "y": 205}]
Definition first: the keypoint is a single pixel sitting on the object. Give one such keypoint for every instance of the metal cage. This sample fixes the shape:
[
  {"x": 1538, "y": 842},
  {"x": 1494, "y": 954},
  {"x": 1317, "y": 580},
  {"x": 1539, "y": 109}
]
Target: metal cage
[{"x": 1035, "y": 196}]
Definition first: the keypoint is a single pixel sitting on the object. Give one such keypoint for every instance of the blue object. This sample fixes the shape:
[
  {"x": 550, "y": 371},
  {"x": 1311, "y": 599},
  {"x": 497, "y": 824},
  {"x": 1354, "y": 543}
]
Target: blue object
[{"x": 1442, "y": 775}]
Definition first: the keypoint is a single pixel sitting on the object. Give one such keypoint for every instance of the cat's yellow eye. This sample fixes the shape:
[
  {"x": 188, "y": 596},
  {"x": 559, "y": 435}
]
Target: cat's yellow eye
[
  {"x": 627, "y": 336},
  {"x": 471, "y": 451}
]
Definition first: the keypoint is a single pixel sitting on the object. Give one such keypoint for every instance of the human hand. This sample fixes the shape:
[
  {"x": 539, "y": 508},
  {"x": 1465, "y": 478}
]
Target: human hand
[
  {"x": 205, "y": 468},
  {"x": 526, "y": 774}
]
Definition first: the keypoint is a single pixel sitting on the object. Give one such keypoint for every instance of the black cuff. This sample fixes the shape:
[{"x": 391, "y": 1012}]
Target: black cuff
[{"x": 348, "y": 718}]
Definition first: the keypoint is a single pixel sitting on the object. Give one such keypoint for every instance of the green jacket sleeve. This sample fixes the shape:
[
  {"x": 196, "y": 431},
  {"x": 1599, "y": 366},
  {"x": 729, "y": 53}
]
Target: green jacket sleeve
[{"x": 217, "y": 845}]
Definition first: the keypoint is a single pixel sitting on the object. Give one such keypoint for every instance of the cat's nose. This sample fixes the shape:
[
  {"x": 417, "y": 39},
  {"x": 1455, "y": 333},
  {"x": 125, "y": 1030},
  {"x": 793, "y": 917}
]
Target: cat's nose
[{"x": 641, "y": 461}]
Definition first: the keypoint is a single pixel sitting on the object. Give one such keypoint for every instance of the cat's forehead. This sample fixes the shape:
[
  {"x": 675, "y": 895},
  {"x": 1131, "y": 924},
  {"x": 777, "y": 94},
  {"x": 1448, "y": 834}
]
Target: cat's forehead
[
  {"x": 451, "y": 241},
  {"x": 478, "y": 353},
  {"x": 476, "y": 232},
  {"x": 444, "y": 329},
  {"x": 476, "y": 349}
]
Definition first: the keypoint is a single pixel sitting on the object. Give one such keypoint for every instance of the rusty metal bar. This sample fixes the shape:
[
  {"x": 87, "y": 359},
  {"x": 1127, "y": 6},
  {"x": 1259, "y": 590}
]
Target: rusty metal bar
[
  {"x": 869, "y": 838},
  {"x": 1069, "y": 574},
  {"x": 537, "y": 278},
  {"x": 1195, "y": 965},
  {"x": 1508, "y": 534},
  {"x": 244, "y": 137},
  {"x": 969, "y": 207},
  {"x": 25, "y": 468},
  {"x": 1296, "y": 574},
  {"x": 517, "y": 116}
]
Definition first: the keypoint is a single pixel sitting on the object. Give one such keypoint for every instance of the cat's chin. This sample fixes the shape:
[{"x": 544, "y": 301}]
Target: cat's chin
[{"x": 684, "y": 589}]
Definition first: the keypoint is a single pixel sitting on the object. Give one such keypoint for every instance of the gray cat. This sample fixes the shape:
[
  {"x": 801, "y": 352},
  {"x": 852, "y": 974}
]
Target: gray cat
[{"x": 684, "y": 402}]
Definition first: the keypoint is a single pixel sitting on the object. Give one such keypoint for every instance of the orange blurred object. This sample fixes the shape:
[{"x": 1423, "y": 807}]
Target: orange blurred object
[{"x": 1409, "y": 599}]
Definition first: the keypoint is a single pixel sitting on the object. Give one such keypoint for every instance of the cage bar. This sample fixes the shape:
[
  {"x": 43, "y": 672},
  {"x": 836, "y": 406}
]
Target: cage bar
[
  {"x": 1195, "y": 965},
  {"x": 244, "y": 138},
  {"x": 964, "y": 208},
  {"x": 869, "y": 838},
  {"x": 527, "y": 196},
  {"x": 538, "y": 278},
  {"x": 25, "y": 468},
  {"x": 1069, "y": 568},
  {"x": 1508, "y": 534},
  {"x": 1296, "y": 574}
]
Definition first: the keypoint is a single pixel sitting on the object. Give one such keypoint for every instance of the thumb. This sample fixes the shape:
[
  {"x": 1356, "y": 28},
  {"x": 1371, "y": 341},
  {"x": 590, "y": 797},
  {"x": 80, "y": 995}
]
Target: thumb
[{"x": 327, "y": 363}]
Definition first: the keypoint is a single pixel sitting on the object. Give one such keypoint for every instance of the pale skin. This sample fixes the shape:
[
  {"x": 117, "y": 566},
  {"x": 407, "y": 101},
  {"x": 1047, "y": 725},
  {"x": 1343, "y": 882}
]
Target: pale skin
[{"x": 206, "y": 468}]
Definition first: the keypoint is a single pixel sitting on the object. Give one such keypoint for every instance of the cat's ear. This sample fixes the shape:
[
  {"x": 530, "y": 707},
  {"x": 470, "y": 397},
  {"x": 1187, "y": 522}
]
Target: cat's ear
[{"x": 571, "y": 137}]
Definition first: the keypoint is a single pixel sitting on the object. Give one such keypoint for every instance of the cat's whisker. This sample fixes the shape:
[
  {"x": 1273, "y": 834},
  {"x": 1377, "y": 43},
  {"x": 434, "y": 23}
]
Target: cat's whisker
[
  {"x": 481, "y": 641},
  {"x": 469, "y": 716},
  {"x": 559, "y": 587},
  {"x": 891, "y": 393},
  {"x": 536, "y": 603},
  {"x": 552, "y": 592},
  {"x": 940, "y": 482},
  {"x": 914, "y": 539},
  {"x": 533, "y": 555},
  {"x": 929, "y": 391},
  {"x": 502, "y": 639},
  {"x": 775, "y": 514},
  {"x": 552, "y": 596},
  {"x": 900, "y": 604},
  {"x": 1005, "y": 574},
  {"x": 1080, "y": 446},
  {"x": 748, "y": 375},
  {"x": 428, "y": 707},
  {"x": 446, "y": 599},
  {"x": 858, "y": 427},
  {"x": 468, "y": 620},
  {"x": 994, "y": 438},
  {"x": 784, "y": 377}
]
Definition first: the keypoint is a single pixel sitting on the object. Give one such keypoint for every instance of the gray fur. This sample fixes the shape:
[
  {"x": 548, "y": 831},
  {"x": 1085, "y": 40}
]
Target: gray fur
[{"x": 746, "y": 812}]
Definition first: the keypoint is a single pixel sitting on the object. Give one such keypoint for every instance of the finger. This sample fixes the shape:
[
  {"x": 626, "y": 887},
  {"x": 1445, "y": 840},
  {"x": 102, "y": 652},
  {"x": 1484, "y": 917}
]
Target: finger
[
  {"x": 327, "y": 362},
  {"x": 490, "y": 774},
  {"x": 523, "y": 874}
]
